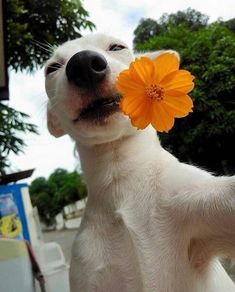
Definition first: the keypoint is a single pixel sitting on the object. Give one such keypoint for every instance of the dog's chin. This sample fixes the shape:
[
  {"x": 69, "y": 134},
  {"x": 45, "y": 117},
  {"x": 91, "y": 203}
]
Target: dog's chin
[
  {"x": 113, "y": 126},
  {"x": 100, "y": 122},
  {"x": 99, "y": 111}
]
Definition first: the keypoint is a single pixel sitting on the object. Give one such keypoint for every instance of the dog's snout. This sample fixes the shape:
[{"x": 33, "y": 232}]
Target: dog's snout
[{"x": 86, "y": 68}]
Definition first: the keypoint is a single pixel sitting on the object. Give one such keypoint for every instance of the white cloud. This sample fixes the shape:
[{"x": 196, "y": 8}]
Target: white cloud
[{"x": 109, "y": 20}]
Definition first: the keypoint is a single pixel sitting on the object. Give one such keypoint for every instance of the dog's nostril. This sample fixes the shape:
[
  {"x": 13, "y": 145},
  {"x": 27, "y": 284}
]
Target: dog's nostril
[{"x": 98, "y": 64}]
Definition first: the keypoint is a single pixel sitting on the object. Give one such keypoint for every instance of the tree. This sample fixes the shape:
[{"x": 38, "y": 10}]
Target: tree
[
  {"x": 60, "y": 189},
  {"x": 12, "y": 122},
  {"x": 191, "y": 18},
  {"x": 33, "y": 29},
  {"x": 68, "y": 187},
  {"x": 31, "y": 22},
  {"x": 230, "y": 24},
  {"x": 148, "y": 28},
  {"x": 206, "y": 137},
  {"x": 41, "y": 194}
]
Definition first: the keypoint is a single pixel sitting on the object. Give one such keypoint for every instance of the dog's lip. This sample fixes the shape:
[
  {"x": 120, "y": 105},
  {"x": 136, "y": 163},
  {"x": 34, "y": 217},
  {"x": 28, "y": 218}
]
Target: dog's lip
[{"x": 99, "y": 102}]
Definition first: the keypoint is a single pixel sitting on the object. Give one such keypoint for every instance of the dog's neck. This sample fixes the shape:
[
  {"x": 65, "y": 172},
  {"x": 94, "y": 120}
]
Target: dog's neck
[{"x": 108, "y": 163}]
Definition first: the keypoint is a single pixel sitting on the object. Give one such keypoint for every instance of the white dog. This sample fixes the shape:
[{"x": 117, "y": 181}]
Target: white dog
[{"x": 151, "y": 223}]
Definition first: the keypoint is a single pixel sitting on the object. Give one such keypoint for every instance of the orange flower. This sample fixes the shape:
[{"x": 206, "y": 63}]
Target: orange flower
[{"x": 155, "y": 91}]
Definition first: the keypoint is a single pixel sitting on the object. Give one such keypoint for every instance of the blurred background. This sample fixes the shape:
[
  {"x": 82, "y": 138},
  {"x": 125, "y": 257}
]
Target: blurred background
[{"x": 203, "y": 32}]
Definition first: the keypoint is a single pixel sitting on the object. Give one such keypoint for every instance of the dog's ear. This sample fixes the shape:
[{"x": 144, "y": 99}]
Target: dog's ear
[
  {"x": 53, "y": 125},
  {"x": 153, "y": 55}
]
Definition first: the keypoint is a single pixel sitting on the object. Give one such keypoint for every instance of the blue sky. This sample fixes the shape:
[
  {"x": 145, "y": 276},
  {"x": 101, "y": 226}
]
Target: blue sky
[{"x": 118, "y": 18}]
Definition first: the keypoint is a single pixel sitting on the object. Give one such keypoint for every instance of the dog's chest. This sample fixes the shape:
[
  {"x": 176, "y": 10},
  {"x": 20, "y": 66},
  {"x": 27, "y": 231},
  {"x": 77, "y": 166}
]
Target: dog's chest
[
  {"x": 131, "y": 243},
  {"x": 127, "y": 241}
]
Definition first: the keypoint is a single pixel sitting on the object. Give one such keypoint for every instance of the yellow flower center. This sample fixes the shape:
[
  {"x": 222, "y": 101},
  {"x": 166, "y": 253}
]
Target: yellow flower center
[{"x": 155, "y": 92}]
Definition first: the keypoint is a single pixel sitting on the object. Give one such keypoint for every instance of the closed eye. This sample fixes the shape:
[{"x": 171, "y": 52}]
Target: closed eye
[
  {"x": 116, "y": 47},
  {"x": 53, "y": 67}
]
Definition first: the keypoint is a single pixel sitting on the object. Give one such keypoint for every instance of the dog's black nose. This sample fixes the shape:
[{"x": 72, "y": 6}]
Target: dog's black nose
[{"x": 86, "y": 68}]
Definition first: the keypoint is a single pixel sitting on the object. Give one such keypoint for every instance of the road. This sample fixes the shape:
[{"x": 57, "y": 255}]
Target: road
[{"x": 64, "y": 238}]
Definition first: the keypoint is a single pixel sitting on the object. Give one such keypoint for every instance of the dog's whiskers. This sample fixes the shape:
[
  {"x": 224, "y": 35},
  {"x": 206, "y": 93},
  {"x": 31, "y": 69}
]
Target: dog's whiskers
[
  {"x": 46, "y": 47},
  {"x": 50, "y": 46}
]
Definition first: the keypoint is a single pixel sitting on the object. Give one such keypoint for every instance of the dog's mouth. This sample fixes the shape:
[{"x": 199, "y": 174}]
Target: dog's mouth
[{"x": 100, "y": 109}]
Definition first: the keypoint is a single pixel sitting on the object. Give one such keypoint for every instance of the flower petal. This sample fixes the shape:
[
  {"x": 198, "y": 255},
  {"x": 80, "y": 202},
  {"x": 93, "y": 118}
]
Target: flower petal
[
  {"x": 130, "y": 103},
  {"x": 143, "y": 120},
  {"x": 161, "y": 119},
  {"x": 181, "y": 81},
  {"x": 174, "y": 92},
  {"x": 142, "y": 70},
  {"x": 179, "y": 106},
  {"x": 140, "y": 109},
  {"x": 126, "y": 84},
  {"x": 165, "y": 64}
]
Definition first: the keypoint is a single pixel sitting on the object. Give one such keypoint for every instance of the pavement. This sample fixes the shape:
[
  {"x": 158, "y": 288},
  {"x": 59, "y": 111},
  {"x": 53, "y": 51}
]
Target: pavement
[{"x": 64, "y": 238}]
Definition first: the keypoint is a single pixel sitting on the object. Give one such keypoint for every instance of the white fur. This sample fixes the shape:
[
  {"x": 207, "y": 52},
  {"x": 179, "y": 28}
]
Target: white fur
[{"x": 151, "y": 223}]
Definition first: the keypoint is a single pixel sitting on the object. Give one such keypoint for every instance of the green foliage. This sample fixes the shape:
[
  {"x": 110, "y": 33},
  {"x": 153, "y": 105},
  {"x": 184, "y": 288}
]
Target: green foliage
[
  {"x": 230, "y": 24},
  {"x": 191, "y": 18},
  {"x": 47, "y": 22},
  {"x": 205, "y": 137},
  {"x": 148, "y": 28},
  {"x": 41, "y": 194},
  {"x": 52, "y": 194},
  {"x": 12, "y": 124}
]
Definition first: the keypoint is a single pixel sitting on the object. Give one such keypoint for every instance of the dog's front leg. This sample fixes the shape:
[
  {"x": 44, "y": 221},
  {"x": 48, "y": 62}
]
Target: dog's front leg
[{"x": 207, "y": 209}]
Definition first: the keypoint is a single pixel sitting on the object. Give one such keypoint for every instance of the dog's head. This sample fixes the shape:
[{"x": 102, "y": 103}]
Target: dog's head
[{"x": 80, "y": 84}]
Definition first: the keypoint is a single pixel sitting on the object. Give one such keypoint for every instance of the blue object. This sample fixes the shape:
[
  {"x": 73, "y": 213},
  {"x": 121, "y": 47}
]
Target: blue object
[{"x": 15, "y": 190}]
